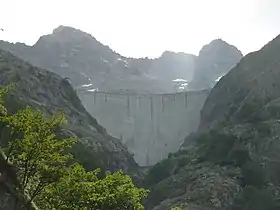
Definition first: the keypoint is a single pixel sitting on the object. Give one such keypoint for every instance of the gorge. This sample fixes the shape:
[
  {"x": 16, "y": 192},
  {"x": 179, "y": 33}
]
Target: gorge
[
  {"x": 150, "y": 104},
  {"x": 212, "y": 145}
]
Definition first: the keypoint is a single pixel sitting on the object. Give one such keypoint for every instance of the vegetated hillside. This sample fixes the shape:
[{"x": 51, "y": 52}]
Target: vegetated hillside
[
  {"x": 215, "y": 60},
  {"x": 47, "y": 91},
  {"x": 79, "y": 56},
  {"x": 233, "y": 161}
]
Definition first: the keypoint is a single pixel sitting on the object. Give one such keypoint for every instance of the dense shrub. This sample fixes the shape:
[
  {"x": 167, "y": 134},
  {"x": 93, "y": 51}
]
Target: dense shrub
[
  {"x": 253, "y": 174},
  {"x": 160, "y": 171},
  {"x": 253, "y": 198}
]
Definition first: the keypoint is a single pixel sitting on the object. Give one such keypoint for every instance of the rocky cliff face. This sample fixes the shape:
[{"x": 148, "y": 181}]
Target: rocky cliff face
[
  {"x": 215, "y": 60},
  {"x": 232, "y": 162},
  {"x": 45, "y": 90},
  {"x": 169, "y": 66},
  {"x": 79, "y": 56}
]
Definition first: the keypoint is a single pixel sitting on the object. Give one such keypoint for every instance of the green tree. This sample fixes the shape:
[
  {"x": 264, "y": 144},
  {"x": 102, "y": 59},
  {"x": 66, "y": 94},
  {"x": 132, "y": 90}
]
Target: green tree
[
  {"x": 176, "y": 208},
  {"x": 3, "y": 92},
  {"x": 254, "y": 198},
  {"x": 84, "y": 190},
  {"x": 34, "y": 149}
]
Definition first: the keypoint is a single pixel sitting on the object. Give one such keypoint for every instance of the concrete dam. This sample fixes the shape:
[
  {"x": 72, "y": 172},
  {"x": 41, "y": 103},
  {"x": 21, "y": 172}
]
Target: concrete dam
[{"x": 150, "y": 125}]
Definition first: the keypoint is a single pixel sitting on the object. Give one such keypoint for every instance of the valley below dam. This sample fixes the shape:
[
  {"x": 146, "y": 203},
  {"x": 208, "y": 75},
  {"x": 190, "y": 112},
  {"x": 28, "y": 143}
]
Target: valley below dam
[{"x": 150, "y": 125}]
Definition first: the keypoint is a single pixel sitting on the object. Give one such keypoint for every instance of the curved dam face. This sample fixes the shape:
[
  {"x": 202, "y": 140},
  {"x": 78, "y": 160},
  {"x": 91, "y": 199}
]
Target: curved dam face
[{"x": 151, "y": 126}]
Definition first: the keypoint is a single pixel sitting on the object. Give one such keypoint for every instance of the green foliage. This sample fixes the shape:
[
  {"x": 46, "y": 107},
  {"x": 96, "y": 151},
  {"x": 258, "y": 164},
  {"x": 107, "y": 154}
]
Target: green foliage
[
  {"x": 253, "y": 198},
  {"x": 81, "y": 153},
  {"x": 214, "y": 146},
  {"x": 34, "y": 149},
  {"x": 253, "y": 174},
  {"x": 224, "y": 149},
  {"x": 45, "y": 171},
  {"x": 83, "y": 190},
  {"x": 3, "y": 92},
  {"x": 273, "y": 111},
  {"x": 264, "y": 129},
  {"x": 238, "y": 156},
  {"x": 176, "y": 208},
  {"x": 169, "y": 166},
  {"x": 158, "y": 193},
  {"x": 250, "y": 111},
  {"x": 160, "y": 171}
]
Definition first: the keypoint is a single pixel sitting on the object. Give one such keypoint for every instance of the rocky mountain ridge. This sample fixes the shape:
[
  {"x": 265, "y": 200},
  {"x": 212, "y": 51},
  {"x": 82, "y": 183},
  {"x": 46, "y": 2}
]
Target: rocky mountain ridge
[
  {"x": 79, "y": 56},
  {"x": 215, "y": 60}
]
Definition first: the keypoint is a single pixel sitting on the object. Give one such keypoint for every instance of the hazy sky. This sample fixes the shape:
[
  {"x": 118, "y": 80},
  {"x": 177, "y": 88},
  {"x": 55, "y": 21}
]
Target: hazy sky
[{"x": 140, "y": 28}]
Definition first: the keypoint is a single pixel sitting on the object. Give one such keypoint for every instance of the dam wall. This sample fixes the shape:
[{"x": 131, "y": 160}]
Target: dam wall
[{"x": 152, "y": 125}]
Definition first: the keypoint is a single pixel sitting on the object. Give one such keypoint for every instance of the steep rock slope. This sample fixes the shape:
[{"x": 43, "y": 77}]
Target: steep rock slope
[
  {"x": 47, "y": 91},
  {"x": 75, "y": 54},
  {"x": 215, "y": 60},
  {"x": 169, "y": 66},
  {"x": 232, "y": 161},
  {"x": 254, "y": 81}
]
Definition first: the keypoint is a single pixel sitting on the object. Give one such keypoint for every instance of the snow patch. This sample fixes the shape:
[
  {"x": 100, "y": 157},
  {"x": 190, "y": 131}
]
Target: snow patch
[
  {"x": 104, "y": 60},
  {"x": 179, "y": 80},
  {"x": 87, "y": 85},
  {"x": 126, "y": 63},
  {"x": 217, "y": 80},
  {"x": 64, "y": 65},
  {"x": 93, "y": 90}
]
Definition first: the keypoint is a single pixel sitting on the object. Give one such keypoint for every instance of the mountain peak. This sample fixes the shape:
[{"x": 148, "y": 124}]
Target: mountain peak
[
  {"x": 67, "y": 30},
  {"x": 219, "y": 41},
  {"x": 214, "y": 61},
  {"x": 63, "y": 28},
  {"x": 66, "y": 34},
  {"x": 219, "y": 45}
]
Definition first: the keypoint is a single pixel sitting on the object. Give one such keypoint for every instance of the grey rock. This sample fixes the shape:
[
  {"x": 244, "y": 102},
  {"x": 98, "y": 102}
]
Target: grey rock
[
  {"x": 215, "y": 60},
  {"x": 243, "y": 104},
  {"x": 79, "y": 56},
  {"x": 47, "y": 91}
]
